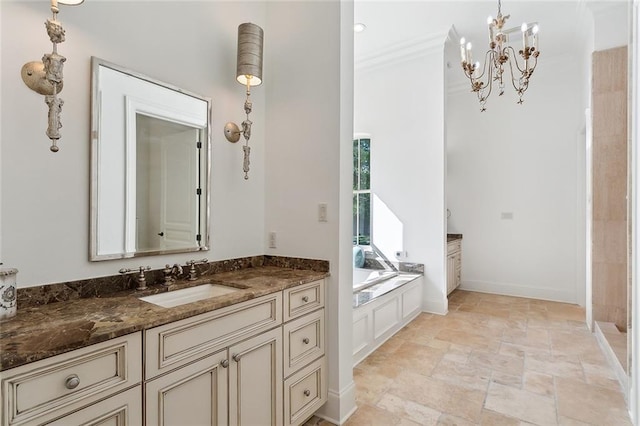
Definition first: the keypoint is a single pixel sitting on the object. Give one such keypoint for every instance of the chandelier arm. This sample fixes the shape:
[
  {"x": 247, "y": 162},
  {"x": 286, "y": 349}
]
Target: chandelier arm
[{"x": 513, "y": 79}]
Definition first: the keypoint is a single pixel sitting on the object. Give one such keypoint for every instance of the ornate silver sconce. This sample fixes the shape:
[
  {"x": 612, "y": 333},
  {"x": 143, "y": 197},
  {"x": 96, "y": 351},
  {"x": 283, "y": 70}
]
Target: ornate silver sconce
[
  {"x": 248, "y": 73},
  {"x": 45, "y": 77}
]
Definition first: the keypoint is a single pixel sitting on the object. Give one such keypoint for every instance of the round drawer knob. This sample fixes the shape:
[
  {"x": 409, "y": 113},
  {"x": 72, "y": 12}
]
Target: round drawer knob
[
  {"x": 72, "y": 382},
  {"x": 237, "y": 357},
  {"x": 305, "y": 299},
  {"x": 224, "y": 363},
  {"x": 305, "y": 340},
  {"x": 306, "y": 392}
]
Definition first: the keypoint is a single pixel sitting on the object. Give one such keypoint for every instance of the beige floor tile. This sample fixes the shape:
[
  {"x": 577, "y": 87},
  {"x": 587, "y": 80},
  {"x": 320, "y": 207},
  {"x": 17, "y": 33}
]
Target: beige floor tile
[
  {"x": 566, "y": 421},
  {"x": 461, "y": 374},
  {"x": 419, "y": 358},
  {"x": 442, "y": 396},
  {"x": 532, "y": 337},
  {"x": 368, "y": 415},
  {"x": 491, "y": 418},
  {"x": 409, "y": 410},
  {"x": 503, "y": 363},
  {"x": 556, "y": 365},
  {"x": 370, "y": 386},
  {"x": 464, "y": 338},
  {"x": 539, "y": 383},
  {"x": 513, "y": 380},
  {"x": 450, "y": 420},
  {"x": 572, "y": 342},
  {"x": 590, "y": 404},
  {"x": 600, "y": 375},
  {"x": 520, "y": 404},
  {"x": 537, "y": 366}
]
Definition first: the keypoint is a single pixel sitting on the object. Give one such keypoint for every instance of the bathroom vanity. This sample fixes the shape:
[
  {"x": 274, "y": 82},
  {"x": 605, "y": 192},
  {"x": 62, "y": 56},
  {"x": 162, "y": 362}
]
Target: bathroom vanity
[
  {"x": 454, "y": 261},
  {"x": 255, "y": 355}
]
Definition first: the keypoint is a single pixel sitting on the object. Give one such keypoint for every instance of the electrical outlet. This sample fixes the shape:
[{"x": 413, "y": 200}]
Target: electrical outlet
[
  {"x": 272, "y": 239},
  {"x": 322, "y": 212}
]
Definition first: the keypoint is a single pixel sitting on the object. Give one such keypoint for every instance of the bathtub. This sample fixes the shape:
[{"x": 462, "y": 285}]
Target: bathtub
[
  {"x": 383, "y": 303},
  {"x": 364, "y": 278}
]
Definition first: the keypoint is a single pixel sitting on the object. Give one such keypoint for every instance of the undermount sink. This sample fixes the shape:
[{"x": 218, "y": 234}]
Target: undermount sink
[{"x": 188, "y": 295}]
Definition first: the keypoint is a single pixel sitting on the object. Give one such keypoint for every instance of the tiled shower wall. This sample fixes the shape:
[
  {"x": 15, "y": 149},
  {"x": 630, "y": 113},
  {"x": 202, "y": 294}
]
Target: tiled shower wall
[{"x": 610, "y": 230}]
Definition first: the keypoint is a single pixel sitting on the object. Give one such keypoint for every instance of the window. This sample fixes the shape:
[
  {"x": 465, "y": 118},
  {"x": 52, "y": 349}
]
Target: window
[{"x": 362, "y": 191}]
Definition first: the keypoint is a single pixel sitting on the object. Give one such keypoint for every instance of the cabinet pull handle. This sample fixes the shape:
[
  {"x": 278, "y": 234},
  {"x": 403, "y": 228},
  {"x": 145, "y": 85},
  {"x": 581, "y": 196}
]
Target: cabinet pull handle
[
  {"x": 224, "y": 363},
  {"x": 305, "y": 340},
  {"x": 237, "y": 357},
  {"x": 72, "y": 381},
  {"x": 305, "y": 299},
  {"x": 306, "y": 392}
]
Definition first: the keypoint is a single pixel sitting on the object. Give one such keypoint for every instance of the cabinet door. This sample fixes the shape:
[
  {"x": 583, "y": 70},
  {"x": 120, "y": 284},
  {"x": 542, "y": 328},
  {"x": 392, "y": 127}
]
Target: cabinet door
[
  {"x": 255, "y": 380},
  {"x": 123, "y": 409},
  {"x": 451, "y": 273},
  {"x": 194, "y": 395}
]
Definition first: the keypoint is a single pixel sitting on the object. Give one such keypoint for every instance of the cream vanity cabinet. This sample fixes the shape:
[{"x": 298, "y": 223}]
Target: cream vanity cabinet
[
  {"x": 95, "y": 385},
  {"x": 454, "y": 264},
  {"x": 227, "y": 359},
  {"x": 258, "y": 362},
  {"x": 226, "y": 366}
]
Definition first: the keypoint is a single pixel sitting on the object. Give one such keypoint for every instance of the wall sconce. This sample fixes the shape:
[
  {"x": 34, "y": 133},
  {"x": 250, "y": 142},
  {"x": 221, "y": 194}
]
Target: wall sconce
[
  {"x": 248, "y": 73},
  {"x": 45, "y": 77}
]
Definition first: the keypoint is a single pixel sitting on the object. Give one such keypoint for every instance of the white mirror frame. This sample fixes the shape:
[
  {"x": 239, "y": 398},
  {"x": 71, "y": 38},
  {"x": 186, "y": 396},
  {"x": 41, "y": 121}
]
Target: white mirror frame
[{"x": 98, "y": 161}]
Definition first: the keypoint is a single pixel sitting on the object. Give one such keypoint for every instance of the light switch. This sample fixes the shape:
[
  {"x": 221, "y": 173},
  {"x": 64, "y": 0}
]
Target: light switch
[{"x": 322, "y": 212}]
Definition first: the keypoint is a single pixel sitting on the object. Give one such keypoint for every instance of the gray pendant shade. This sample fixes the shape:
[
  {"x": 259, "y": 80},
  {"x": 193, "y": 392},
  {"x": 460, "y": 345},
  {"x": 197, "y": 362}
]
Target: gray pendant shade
[{"x": 250, "y": 42}]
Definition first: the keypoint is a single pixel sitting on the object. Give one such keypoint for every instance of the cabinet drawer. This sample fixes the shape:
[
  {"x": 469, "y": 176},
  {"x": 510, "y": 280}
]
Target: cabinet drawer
[
  {"x": 303, "y": 299},
  {"x": 172, "y": 345},
  {"x": 303, "y": 341},
  {"x": 52, "y": 387},
  {"x": 305, "y": 392},
  {"x": 123, "y": 409}
]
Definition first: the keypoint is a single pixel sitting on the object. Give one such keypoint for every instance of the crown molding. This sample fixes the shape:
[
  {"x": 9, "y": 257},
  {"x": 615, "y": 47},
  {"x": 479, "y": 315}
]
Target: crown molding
[{"x": 403, "y": 51}]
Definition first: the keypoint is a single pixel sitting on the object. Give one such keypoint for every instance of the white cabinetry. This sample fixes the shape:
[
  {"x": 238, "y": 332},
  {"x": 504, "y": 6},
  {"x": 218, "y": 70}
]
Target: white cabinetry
[
  {"x": 454, "y": 264},
  {"x": 238, "y": 365},
  {"x": 305, "y": 385},
  {"x": 227, "y": 359},
  {"x": 53, "y": 388},
  {"x": 255, "y": 380}
]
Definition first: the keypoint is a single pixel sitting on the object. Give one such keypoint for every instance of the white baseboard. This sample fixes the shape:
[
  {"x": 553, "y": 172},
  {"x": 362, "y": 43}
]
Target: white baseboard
[
  {"x": 435, "y": 307},
  {"x": 618, "y": 369},
  {"x": 340, "y": 405},
  {"x": 506, "y": 289}
]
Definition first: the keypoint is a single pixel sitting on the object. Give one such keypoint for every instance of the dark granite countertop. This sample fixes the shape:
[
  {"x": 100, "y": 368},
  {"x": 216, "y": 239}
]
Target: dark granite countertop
[
  {"x": 453, "y": 237},
  {"x": 39, "y": 332}
]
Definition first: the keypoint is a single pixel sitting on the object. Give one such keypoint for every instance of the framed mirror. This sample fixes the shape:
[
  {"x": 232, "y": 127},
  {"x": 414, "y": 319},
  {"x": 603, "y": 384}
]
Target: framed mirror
[{"x": 150, "y": 166}]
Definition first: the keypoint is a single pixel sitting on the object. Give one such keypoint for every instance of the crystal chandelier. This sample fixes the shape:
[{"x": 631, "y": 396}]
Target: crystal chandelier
[{"x": 500, "y": 56}]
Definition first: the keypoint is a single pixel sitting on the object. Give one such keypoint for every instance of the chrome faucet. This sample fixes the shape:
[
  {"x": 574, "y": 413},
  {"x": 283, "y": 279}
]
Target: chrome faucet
[
  {"x": 193, "y": 275},
  {"x": 140, "y": 279},
  {"x": 171, "y": 273}
]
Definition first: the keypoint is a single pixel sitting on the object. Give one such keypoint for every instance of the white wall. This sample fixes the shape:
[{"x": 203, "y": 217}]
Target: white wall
[
  {"x": 45, "y": 196},
  {"x": 405, "y": 118},
  {"x": 523, "y": 160},
  {"x": 309, "y": 128},
  {"x": 301, "y": 139}
]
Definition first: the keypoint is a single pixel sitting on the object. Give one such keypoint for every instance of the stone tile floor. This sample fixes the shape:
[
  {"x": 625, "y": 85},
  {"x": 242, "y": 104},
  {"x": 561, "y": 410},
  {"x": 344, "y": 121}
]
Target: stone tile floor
[{"x": 493, "y": 360}]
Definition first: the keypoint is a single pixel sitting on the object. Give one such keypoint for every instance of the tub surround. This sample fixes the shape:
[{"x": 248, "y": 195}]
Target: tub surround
[
  {"x": 58, "y": 318},
  {"x": 369, "y": 294}
]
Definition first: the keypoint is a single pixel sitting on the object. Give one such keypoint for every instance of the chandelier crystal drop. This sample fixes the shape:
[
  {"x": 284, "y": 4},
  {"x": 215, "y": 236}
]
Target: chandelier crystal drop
[{"x": 499, "y": 57}]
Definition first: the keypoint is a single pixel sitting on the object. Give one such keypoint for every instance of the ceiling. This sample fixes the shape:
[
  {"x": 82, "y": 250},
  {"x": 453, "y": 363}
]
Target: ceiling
[{"x": 564, "y": 25}]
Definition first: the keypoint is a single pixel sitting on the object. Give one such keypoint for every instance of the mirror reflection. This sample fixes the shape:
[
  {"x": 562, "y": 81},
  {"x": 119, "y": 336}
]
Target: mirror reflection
[{"x": 150, "y": 166}]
